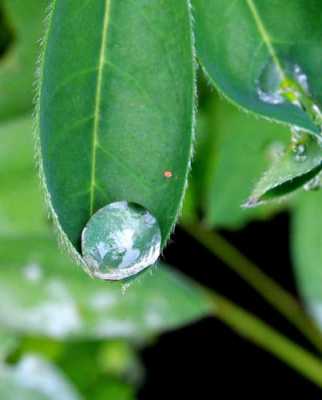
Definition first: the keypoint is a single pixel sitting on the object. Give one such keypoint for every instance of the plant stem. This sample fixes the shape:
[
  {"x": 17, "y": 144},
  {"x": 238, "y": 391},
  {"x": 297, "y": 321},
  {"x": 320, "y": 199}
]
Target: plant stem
[
  {"x": 272, "y": 292},
  {"x": 258, "y": 332}
]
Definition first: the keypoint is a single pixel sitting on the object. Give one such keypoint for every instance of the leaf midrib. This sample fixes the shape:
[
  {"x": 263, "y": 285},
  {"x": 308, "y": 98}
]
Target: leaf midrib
[
  {"x": 265, "y": 36},
  {"x": 98, "y": 98}
]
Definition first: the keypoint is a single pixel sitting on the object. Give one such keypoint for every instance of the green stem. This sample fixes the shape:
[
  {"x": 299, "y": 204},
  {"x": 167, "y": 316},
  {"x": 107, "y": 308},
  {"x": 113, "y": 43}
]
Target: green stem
[
  {"x": 272, "y": 292},
  {"x": 258, "y": 332}
]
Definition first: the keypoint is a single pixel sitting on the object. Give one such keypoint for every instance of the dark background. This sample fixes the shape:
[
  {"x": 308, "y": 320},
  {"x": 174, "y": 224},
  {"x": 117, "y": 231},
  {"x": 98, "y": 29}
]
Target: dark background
[{"x": 207, "y": 359}]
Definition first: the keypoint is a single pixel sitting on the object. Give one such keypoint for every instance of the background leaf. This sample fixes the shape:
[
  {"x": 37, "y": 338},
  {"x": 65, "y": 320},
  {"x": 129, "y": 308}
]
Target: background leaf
[
  {"x": 116, "y": 108},
  {"x": 20, "y": 199},
  {"x": 41, "y": 293},
  {"x": 233, "y": 151},
  {"x": 17, "y": 65},
  {"x": 8, "y": 343},
  {"x": 236, "y": 40},
  {"x": 307, "y": 251},
  {"x": 34, "y": 379},
  {"x": 288, "y": 173}
]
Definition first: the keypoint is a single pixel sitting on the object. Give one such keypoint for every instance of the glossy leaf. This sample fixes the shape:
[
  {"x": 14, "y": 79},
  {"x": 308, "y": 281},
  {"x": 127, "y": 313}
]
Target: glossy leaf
[
  {"x": 237, "y": 41},
  {"x": 307, "y": 251},
  {"x": 288, "y": 173},
  {"x": 21, "y": 209},
  {"x": 116, "y": 109},
  {"x": 41, "y": 293},
  {"x": 17, "y": 65},
  {"x": 34, "y": 379}
]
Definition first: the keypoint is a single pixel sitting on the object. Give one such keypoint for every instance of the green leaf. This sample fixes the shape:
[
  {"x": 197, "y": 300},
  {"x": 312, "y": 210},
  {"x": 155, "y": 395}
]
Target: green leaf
[
  {"x": 288, "y": 173},
  {"x": 307, "y": 251},
  {"x": 116, "y": 109},
  {"x": 41, "y": 293},
  {"x": 115, "y": 390},
  {"x": 96, "y": 367},
  {"x": 8, "y": 343},
  {"x": 249, "y": 45},
  {"x": 34, "y": 379},
  {"x": 234, "y": 152},
  {"x": 21, "y": 209},
  {"x": 17, "y": 66}
]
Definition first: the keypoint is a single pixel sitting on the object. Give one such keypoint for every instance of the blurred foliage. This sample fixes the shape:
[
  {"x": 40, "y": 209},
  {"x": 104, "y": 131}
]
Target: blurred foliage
[
  {"x": 64, "y": 336},
  {"x": 22, "y": 25},
  {"x": 234, "y": 150}
]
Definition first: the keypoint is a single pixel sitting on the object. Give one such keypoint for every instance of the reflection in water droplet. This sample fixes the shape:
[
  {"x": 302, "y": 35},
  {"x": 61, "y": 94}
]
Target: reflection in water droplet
[
  {"x": 287, "y": 83},
  {"x": 120, "y": 240}
]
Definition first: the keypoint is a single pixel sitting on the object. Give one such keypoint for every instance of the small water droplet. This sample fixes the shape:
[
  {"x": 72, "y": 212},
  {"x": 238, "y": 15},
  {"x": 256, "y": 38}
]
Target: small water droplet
[
  {"x": 298, "y": 140},
  {"x": 120, "y": 240},
  {"x": 251, "y": 202},
  {"x": 313, "y": 184}
]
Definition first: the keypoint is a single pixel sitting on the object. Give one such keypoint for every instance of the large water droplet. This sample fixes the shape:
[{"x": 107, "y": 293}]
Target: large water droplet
[{"x": 120, "y": 240}]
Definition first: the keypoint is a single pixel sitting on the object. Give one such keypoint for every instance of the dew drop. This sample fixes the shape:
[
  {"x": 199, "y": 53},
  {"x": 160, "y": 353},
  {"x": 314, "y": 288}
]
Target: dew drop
[
  {"x": 298, "y": 140},
  {"x": 287, "y": 83},
  {"x": 120, "y": 240},
  {"x": 282, "y": 83},
  {"x": 268, "y": 84},
  {"x": 313, "y": 184}
]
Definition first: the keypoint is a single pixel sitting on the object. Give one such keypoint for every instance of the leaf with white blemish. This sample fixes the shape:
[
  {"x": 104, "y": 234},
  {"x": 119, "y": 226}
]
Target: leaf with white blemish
[
  {"x": 43, "y": 294},
  {"x": 33, "y": 378}
]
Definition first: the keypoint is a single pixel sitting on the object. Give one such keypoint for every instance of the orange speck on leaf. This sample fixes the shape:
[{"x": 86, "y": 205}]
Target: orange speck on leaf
[{"x": 167, "y": 174}]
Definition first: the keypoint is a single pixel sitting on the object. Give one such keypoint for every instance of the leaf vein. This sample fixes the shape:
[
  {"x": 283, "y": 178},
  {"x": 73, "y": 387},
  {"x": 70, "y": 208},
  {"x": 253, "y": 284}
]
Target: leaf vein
[{"x": 98, "y": 98}]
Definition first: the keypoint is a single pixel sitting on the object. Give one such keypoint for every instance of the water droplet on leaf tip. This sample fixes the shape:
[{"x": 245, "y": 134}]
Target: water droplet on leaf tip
[
  {"x": 120, "y": 240},
  {"x": 250, "y": 203},
  {"x": 313, "y": 184}
]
